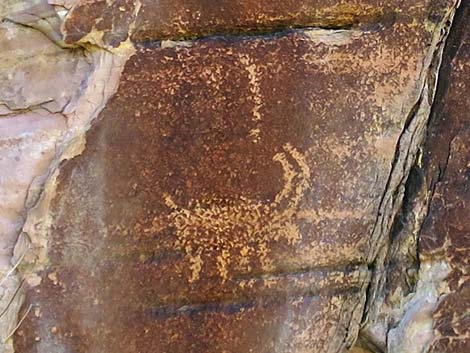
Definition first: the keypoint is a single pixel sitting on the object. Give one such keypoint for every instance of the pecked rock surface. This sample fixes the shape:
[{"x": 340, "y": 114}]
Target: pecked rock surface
[
  {"x": 237, "y": 190},
  {"x": 146, "y": 20}
]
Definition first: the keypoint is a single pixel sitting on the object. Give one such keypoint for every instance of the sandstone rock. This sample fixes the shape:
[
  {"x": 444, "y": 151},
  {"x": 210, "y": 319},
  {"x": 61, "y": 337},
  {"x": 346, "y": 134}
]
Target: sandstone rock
[
  {"x": 236, "y": 193},
  {"x": 147, "y": 21},
  {"x": 427, "y": 262},
  {"x": 445, "y": 234},
  {"x": 48, "y": 96}
]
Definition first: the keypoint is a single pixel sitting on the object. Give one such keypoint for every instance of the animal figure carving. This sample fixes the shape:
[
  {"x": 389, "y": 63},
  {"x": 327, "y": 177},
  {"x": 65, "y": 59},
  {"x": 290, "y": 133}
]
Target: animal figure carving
[{"x": 241, "y": 226}]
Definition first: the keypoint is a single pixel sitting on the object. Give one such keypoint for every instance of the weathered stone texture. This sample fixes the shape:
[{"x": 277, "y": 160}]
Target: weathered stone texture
[
  {"x": 28, "y": 56},
  {"x": 234, "y": 194},
  {"x": 424, "y": 300},
  {"x": 31, "y": 125},
  {"x": 446, "y": 232},
  {"x": 147, "y": 20},
  {"x": 48, "y": 95},
  {"x": 222, "y": 203}
]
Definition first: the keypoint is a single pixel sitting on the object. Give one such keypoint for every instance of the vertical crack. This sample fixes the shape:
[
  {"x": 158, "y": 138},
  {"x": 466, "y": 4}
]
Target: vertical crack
[{"x": 399, "y": 266}]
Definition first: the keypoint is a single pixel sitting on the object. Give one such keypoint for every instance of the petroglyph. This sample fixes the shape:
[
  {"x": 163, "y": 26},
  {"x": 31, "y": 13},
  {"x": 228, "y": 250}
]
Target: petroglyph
[
  {"x": 254, "y": 75},
  {"x": 227, "y": 225}
]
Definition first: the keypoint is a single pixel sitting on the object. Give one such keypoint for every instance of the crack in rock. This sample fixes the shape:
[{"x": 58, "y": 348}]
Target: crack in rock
[
  {"x": 40, "y": 129},
  {"x": 398, "y": 317}
]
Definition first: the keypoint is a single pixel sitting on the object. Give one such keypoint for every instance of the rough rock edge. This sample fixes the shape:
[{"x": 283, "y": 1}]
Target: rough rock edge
[
  {"x": 432, "y": 287},
  {"x": 35, "y": 231},
  {"x": 417, "y": 307},
  {"x": 109, "y": 65},
  {"x": 31, "y": 245}
]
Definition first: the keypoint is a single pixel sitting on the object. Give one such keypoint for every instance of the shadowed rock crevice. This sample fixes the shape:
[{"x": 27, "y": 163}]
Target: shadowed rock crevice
[
  {"x": 444, "y": 236},
  {"x": 229, "y": 179},
  {"x": 414, "y": 281},
  {"x": 179, "y": 20},
  {"x": 393, "y": 200}
]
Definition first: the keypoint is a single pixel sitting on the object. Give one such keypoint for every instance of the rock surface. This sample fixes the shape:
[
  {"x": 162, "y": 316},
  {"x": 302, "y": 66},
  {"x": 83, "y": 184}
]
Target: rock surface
[
  {"x": 446, "y": 232},
  {"x": 235, "y": 194},
  {"x": 146, "y": 20},
  {"x": 425, "y": 298}
]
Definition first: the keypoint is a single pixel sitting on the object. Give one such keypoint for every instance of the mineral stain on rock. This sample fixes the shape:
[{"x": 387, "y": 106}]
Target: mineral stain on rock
[{"x": 236, "y": 193}]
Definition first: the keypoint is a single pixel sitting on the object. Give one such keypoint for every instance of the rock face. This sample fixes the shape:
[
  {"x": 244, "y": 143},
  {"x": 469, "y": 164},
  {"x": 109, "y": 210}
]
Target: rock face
[
  {"x": 226, "y": 178},
  {"x": 147, "y": 21},
  {"x": 425, "y": 298},
  {"x": 445, "y": 234}
]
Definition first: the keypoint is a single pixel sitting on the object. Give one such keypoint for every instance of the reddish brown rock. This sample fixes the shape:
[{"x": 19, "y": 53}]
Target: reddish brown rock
[
  {"x": 233, "y": 193},
  {"x": 446, "y": 232},
  {"x": 237, "y": 192},
  {"x": 48, "y": 96},
  {"x": 147, "y": 20},
  {"x": 425, "y": 299}
]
